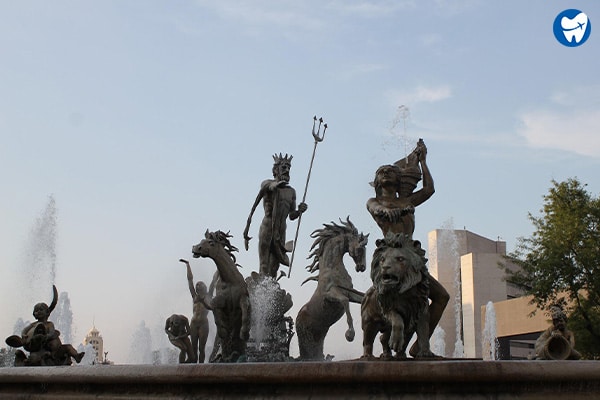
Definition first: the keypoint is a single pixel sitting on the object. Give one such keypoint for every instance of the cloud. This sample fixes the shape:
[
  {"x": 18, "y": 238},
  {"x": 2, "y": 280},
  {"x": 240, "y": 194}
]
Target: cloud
[
  {"x": 361, "y": 69},
  {"x": 266, "y": 13},
  {"x": 452, "y": 8},
  {"x": 574, "y": 131},
  {"x": 303, "y": 16},
  {"x": 369, "y": 9},
  {"x": 571, "y": 122},
  {"x": 421, "y": 94}
]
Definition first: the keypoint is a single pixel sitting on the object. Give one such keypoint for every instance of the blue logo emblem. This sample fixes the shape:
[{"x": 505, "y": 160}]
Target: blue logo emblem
[{"x": 572, "y": 28}]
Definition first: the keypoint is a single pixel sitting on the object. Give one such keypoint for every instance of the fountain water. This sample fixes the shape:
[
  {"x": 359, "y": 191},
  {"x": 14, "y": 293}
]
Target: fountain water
[
  {"x": 20, "y": 325},
  {"x": 62, "y": 316},
  {"x": 270, "y": 330},
  {"x": 90, "y": 354},
  {"x": 489, "y": 340},
  {"x": 261, "y": 305},
  {"x": 37, "y": 274},
  {"x": 151, "y": 345},
  {"x": 163, "y": 352},
  {"x": 449, "y": 244},
  {"x": 399, "y": 139},
  {"x": 38, "y": 270},
  {"x": 140, "y": 351},
  {"x": 438, "y": 341}
]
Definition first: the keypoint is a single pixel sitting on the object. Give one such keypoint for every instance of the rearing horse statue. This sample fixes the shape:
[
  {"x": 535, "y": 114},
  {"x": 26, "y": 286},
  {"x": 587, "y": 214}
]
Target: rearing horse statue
[
  {"x": 334, "y": 290},
  {"x": 231, "y": 304}
]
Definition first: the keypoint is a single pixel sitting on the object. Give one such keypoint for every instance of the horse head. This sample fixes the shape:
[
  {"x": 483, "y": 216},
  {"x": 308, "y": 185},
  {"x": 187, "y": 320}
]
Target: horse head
[
  {"x": 214, "y": 241},
  {"x": 357, "y": 250},
  {"x": 346, "y": 237},
  {"x": 203, "y": 248}
]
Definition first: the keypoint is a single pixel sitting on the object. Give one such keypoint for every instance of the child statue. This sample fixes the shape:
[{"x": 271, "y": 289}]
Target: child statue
[{"x": 42, "y": 340}]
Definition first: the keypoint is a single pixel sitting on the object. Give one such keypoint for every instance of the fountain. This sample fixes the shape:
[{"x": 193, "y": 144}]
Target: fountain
[
  {"x": 449, "y": 242},
  {"x": 89, "y": 352},
  {"x": 270, "y": 329},
  {"x": 489, "y": 341},
  {"x": 39, "y": 263},
  {"x": 141, "y": 345},
  {"x": 43, "y": 339},
  {"x": 404, "y": 377},
  {"x": 438, "y": 341},
  {"x": 63, "y": 317}
]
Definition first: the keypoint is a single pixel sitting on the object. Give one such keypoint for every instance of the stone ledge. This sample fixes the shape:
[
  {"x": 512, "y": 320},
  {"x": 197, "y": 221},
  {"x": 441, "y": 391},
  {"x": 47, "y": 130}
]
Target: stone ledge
[{"x": 315, "y": 380}]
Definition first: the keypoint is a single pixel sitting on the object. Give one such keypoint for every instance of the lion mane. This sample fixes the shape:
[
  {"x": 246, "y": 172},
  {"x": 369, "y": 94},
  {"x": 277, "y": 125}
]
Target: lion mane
[{"x": 400, "y": 286}]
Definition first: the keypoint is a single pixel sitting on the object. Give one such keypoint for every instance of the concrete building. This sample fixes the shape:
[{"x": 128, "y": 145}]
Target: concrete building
[{"x": 467, "y": 265}]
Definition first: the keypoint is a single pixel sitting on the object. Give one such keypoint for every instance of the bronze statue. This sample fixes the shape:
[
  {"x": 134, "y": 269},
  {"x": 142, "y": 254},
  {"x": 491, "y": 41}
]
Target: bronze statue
[
  {"x": 397, "y": 303},
  {"x": 556, "y": 342},
  {"x": 177, "y": 328},
  {"x": 231, "y": 304},
  {"x": 279, "y": 203},
  {"x": 199, "y": 323},
  {"x": 334, "y": 290},
  {"x": 42, "y": 340},
  {"x": 393, "y": 208}
]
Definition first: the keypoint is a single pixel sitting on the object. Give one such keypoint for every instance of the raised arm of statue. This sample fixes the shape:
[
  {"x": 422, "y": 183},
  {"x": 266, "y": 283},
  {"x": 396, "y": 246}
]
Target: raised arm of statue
[
  {"x": 54, "y": 300},
  {"x": 414, "y": 168},
  {"x": 190, "y": 278},
  {"x": 428, "y": 189}
]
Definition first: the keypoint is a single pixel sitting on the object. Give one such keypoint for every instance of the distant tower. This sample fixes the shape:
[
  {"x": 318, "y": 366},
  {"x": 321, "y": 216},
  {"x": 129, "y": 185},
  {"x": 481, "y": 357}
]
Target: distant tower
[{"x": 95, "y": 339}]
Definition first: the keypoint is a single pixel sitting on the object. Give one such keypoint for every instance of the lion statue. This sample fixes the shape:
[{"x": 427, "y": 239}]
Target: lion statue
[{"x": 397, "y": 304}]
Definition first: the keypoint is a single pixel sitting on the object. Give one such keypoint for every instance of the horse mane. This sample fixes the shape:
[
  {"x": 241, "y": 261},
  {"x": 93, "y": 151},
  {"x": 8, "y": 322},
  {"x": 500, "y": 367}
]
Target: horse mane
[
  {"x": 323, "y": 235},
  {"x": 223, "y": 239}
]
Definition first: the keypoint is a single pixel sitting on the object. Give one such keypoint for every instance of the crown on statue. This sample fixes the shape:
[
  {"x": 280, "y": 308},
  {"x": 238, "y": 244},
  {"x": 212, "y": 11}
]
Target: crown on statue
[{"x": 280, "y": 159}]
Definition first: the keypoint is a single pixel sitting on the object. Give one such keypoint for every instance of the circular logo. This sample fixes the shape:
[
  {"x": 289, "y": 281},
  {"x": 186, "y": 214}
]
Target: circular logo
[{"x": 572, "y": 28}]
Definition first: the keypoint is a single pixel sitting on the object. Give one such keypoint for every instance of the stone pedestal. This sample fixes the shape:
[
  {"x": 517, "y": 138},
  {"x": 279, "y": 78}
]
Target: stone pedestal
[{"x": 448, "y": 379}]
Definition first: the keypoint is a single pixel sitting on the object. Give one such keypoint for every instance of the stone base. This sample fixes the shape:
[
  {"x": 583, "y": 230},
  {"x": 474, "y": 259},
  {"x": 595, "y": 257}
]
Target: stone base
[{"x": 447, "y": 379}]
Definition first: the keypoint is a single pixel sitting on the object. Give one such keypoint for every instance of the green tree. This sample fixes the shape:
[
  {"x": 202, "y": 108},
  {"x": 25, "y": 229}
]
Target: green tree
[{"x": 560, "y": 262}]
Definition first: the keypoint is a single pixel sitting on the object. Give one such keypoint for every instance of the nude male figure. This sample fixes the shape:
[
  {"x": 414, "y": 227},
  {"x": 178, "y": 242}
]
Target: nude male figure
[
  {"x": 177, "y": 328},
  {"x": 279, "y": 203}
]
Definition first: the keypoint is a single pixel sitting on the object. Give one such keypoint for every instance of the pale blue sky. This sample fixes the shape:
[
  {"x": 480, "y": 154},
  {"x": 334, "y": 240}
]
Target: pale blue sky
[{"x": 151, "y": 121}]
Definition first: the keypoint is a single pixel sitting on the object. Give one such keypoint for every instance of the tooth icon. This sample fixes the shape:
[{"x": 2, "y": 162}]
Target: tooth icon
[{"x": 574, "y": 28}]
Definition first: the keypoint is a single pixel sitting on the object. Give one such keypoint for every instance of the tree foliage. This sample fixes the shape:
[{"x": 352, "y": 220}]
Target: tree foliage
[{"x": 560, "y": 262}]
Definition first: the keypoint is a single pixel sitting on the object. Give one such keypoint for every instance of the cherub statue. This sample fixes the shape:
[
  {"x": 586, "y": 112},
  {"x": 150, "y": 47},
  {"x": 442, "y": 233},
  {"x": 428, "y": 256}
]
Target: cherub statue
[
  {"x": 556, "y": 342},
  {"x": 42, "y": 340},
  {"x": 177, "y": 327}
]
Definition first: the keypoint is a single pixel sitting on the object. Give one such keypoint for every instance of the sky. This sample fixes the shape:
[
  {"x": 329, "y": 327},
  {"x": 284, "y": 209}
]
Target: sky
[{"x": 149, "y": 122}]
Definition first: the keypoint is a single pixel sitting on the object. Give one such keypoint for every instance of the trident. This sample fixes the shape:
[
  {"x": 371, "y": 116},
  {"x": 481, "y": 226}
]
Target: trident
[{"x": 318, "y": 139}]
